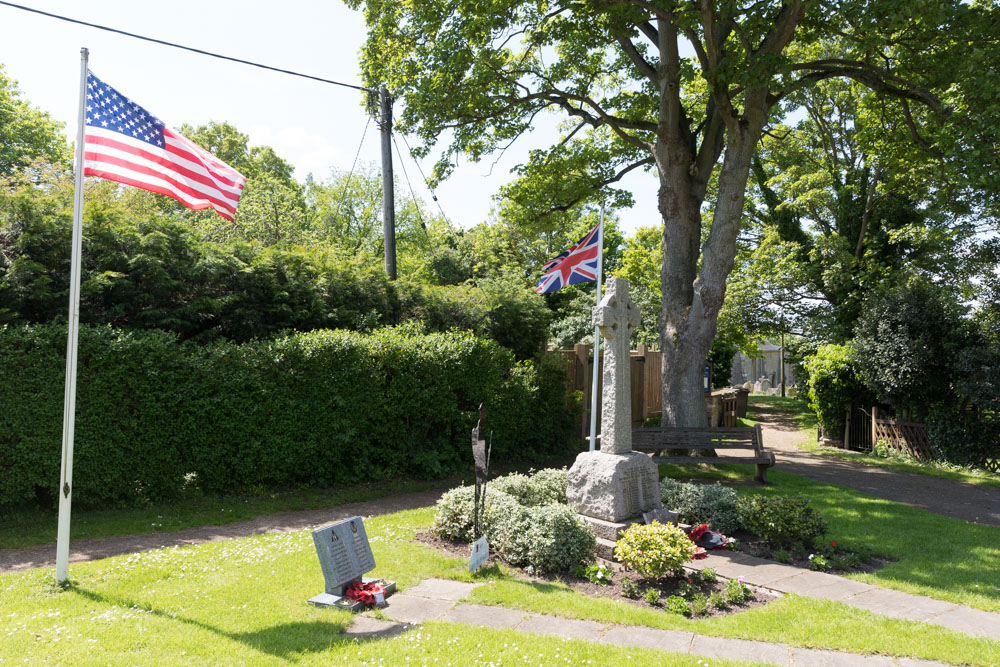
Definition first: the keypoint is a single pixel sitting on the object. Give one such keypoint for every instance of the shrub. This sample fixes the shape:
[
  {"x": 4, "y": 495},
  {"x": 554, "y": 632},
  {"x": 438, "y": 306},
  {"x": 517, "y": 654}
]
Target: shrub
[
  {"x": 962, "y": 439},
  {"x": 310, "y": 409},
  {"x": 709, "y": 575},
  {"x": 556, "y": 538},
  {"x": 713, "y": 504},
  {"x": 454, "y": 519},
  {"x": 654, "y": 550},
  {"x": 718, "y": 601},
  {"x": 699, "y": 604},
  {"x": 737, "y": 592},
  {"x": 538, "y": 488},
  {"x": 781, "y": 521},
  {"x": 818, "y": 562},
  {"x": 675, "y": 604},
  {"x": 630, "y": 589},
  {"x": 833, "y": 386},
  {"x": 652, "y": 596}
]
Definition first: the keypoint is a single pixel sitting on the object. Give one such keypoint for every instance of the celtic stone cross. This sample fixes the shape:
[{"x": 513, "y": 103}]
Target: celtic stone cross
[{"x": 616, "y": 316}]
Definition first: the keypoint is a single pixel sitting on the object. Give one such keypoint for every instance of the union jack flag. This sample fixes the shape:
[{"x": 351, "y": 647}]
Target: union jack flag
[{"x": 578, "y": 264}]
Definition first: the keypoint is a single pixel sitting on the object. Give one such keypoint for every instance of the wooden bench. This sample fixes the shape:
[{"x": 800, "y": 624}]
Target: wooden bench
[{"x": 657, "y": 441}]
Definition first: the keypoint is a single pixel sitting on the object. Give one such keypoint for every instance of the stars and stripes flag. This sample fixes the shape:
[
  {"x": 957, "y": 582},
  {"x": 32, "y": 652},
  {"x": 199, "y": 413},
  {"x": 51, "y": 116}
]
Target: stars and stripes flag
[
  {"x": 125, "y": 143},
  {"x": 578, "y": 264}
]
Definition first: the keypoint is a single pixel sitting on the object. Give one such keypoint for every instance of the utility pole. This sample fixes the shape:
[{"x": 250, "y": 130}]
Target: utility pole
[
  {"x": 388, "y": 199},
  {"x": 781, "y": 355}
]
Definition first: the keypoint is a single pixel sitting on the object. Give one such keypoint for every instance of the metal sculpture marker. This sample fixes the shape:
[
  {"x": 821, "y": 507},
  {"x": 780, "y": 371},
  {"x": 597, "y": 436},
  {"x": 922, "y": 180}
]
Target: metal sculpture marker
[
  {"x": 345, "y": 556},
  {"x": 480, "y": 548}
]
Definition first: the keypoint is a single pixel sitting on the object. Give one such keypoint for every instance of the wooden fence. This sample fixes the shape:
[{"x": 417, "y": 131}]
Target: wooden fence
[
  {"x": 906, "y": 437},
  {"x": 645, "y": 369}
]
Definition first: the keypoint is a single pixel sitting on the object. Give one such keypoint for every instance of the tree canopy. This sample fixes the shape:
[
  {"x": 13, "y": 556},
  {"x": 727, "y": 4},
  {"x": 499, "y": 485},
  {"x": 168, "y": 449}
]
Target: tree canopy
[{"x": 686, "y": 89}]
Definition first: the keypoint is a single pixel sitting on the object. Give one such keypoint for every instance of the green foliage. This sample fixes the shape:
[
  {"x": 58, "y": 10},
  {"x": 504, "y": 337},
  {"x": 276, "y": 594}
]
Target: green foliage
[
  {"x": 596, "y": 574},
  {"x": 833, "y": 385},
  {"x": 781, "y": 521},
  {"x": 630, "y": 588},
  {"x": 819, "y": 563},
  {"x": 963, "y": 439},
  {"x": 718, "y": 601},
  {"x": 713, "y": 504},
  {"x": 709, "y": 575},
  {"x": 654, "y": 550},
  {"x": 310, "y": 409},
  {"x": 737, "y": 592},
  {"x": 675, "y": 604},
  {"x": 543, "y": 487},
  {"x": 908, "y": 342},
  {"x": 699, "y": 604},
  {"x": 557, "y": 538},
  {"x": 652, "y": 596},
  {"x": 26, "y": 134}
]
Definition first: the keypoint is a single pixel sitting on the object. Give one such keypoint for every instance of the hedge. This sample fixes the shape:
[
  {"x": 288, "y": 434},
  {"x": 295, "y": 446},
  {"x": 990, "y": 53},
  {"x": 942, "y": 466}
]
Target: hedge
[{"x": 320, "y": 408}]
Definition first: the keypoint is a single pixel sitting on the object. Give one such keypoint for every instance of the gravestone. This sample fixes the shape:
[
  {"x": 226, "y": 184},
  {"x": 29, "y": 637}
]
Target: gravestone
[
  {"x": 611, "y": 488},
  {"x": 344, "y": 556}
]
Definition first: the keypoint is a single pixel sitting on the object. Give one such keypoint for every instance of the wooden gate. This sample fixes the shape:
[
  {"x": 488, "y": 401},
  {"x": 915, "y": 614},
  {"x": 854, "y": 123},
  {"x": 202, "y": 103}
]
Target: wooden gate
[{"x": 858, "y": 430}]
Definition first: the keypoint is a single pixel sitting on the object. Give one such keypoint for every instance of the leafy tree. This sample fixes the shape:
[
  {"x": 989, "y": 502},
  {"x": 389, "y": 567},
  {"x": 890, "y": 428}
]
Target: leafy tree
[
  {"x": 26, "y": 134},
  {"x": 480, "y": 73}
]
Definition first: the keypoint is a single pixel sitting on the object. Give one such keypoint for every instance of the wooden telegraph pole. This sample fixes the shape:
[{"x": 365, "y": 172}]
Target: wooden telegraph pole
[{"x": 388, "y": 199}]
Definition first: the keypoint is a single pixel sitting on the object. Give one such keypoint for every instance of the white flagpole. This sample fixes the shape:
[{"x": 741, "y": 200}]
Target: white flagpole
[
  {"x": 597, "y": 335},
  {"x": 69, "y": 400}
]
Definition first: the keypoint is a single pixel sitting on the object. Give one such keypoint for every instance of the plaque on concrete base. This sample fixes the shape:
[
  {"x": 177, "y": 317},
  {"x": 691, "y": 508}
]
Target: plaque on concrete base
[
  {"x": 344, "y": 555},
  {"x": 660, "y": 516}
]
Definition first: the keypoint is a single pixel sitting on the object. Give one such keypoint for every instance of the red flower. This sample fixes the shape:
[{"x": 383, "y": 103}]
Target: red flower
[
  {"x": 833, "y": 544},
  {"x": 698, "y": 532},
  {"x": 690, "y": 580}
]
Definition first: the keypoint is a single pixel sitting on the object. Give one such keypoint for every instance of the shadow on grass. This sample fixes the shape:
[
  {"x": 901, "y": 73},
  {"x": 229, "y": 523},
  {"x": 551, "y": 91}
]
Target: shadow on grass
[{"x": 284, "y": 641}]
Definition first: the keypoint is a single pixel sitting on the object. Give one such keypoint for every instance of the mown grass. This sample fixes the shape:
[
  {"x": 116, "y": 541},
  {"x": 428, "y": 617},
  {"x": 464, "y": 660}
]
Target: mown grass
[{"x": 244, "y": 602}]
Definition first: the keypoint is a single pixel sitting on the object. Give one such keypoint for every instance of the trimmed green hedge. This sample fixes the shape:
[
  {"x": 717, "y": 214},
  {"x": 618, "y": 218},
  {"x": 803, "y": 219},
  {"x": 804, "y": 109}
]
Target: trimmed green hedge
[{"x": 320, "y": 408}]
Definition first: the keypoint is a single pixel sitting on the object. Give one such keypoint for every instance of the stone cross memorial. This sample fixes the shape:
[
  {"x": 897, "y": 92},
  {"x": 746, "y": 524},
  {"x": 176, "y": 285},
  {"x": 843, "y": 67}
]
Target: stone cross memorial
[
  {"x": 344, "y": 555},
  {"x": 611, "y": 488}
]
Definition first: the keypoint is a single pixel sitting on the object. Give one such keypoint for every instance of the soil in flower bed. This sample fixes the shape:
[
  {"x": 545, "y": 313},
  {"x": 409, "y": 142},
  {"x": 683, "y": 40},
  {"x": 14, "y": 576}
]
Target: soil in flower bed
[
  {"x": 837, "y": 558},
  {"x": 667, "y": 586}
]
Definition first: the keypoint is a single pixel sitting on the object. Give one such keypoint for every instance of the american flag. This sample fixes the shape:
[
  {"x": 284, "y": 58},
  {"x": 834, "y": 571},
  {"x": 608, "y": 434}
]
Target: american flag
[
  {"x": 125, "y": 143},
  {"x": 576, "y": 265}
]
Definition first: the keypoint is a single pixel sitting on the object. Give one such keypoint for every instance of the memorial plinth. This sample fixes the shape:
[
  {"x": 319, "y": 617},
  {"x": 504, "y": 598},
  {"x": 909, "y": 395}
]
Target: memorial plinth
[{"x": 613, "y": 487}]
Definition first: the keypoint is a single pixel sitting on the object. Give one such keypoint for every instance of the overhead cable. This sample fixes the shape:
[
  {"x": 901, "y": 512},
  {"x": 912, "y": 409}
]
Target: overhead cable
[{"x": 181, "y": 46}]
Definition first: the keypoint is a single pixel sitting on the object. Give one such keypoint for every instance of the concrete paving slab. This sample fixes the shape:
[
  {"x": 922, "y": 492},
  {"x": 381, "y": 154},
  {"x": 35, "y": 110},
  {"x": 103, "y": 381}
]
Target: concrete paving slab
[
  {"x": 913, "y": 662},
  {"x": 570, "y": 628},
  {"x": 643, "y": 637},
  {"x": 896, "y": 604},
  {"x": 768, "y": 573},
  {"x": 492, "y": 617},
  {"x": 816, "y": 658},
  {"x": 411, "y": 609},
  {"x": 441, "y": 589},
  {"x": 821, "y": 585},
  {"x": 741, "y": 649},
  {"x": 970, "y": 621},
  {"x": 366, "y": 627}
]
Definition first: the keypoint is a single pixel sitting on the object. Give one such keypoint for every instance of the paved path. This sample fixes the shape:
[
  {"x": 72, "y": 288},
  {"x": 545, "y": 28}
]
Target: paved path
[
  {"x": 438, "y": 599},
  {"x": 970, "y": 502},
  {"x": 17, "y": 560},
  {"x": 885, "y": 601}
]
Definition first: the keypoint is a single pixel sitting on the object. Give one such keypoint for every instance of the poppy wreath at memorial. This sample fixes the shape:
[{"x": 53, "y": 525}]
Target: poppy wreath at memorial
[{"x": 365, "y": 592}]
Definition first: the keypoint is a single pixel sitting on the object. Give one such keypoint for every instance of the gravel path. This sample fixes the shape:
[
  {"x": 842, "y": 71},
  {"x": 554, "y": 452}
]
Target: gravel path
[
  {"x": 17, "y": 560},
  {"x": 975, "y": 503}
]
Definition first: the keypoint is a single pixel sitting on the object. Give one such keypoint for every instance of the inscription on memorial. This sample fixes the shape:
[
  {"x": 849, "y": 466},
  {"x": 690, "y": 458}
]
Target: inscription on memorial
[
  {"x": 632, "y": 478},
  {"x": 344, "y": 553}
]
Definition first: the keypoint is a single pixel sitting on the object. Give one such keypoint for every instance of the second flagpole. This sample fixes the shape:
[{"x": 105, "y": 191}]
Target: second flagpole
[{"x": 597, "y": 336}]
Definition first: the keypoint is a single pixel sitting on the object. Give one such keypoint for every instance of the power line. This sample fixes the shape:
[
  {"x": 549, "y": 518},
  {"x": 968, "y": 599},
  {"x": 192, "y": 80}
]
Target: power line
[
  {"x": 181, "y": 46},
  {"x": 413, "y": 196},
  {"x": 343, "y": 193},
  {"x": 429, "y": 188}
]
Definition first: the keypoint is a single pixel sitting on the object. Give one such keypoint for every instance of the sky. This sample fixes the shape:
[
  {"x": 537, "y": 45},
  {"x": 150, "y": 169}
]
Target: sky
[{"x": 313, "y": 125}]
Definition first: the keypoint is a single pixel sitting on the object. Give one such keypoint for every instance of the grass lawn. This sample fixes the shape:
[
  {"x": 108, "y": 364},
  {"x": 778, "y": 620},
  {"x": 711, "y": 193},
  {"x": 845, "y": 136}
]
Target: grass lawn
[
  {"x": 806, "y": 419},
  {"x": 243, "y": 601}
]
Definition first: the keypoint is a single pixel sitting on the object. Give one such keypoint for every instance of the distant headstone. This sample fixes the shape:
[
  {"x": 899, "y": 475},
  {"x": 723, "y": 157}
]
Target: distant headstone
[
  {"x": 344, "y": 556},
  {"x": 660, "y": 516}
]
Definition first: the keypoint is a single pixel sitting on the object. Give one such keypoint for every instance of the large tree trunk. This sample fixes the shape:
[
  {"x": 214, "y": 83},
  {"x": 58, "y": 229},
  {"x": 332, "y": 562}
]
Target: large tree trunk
[{"x": 692, "y": 298}]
